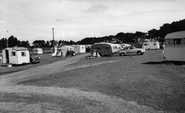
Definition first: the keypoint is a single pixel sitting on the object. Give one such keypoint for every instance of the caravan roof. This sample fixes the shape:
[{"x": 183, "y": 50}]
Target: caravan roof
[
  {"x": 67, "y": 47},
  {"x": 18, "y": 48},
  {"x": 111, "y": 44},
  {"x": 179, "y": 34}
]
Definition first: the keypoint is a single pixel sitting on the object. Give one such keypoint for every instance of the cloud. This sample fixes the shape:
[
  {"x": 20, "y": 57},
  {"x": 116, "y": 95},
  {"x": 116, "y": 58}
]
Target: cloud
[
  {"x": 96, "y": 9},
  {"x": 2, "y": 22}
]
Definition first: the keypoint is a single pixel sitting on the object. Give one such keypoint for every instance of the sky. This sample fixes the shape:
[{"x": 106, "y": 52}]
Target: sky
[{"x": 76, "y": 19}]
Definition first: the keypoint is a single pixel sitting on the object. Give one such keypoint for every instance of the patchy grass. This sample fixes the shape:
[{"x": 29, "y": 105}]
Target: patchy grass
[
  {"x": 45, "y": 59},
  {"x": 133, "y": 78}
]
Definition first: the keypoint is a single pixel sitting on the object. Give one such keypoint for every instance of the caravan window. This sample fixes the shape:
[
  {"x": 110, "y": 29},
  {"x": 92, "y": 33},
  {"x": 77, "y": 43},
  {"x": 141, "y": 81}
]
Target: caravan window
[
  {"x": 13, "y": 54},
  {"x": 167, "y": 41},
  {"x": 98, "y": 47},
  {"x": 173, "y": 41},
  {"x": 23, "y": 53},
  {"x": 176, "y": 41},
  {"x": 107, "y": 47},
  {"x": 154, "y": 43},
  {"x": 115, "y": 47}
]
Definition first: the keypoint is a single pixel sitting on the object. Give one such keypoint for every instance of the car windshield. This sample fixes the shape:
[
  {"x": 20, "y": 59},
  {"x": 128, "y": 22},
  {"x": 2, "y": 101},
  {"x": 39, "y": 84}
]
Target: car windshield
[{"x": 132, "y": 47}]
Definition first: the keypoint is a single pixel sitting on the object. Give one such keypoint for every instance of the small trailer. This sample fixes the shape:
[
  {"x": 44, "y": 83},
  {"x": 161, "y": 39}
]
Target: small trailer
[
  {"x": 37, "y": 51},
  {"x": 79, "y": 48},
  {"x": 151, "y": 45},
  {"x": 174, "y": 49},
  {"x": 105, "y": 49},
  {"x": 16, "y": 55}
]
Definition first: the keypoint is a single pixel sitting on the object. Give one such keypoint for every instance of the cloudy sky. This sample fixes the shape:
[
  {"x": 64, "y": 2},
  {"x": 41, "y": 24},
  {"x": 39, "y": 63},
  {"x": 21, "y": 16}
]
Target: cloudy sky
[{"x": 77, "y": 19}]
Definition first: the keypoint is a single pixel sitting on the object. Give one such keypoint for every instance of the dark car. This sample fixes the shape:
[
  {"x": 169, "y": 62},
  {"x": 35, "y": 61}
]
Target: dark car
[
  {"x": 34, "y": 59},
  {"x": 71, "y": 53}
]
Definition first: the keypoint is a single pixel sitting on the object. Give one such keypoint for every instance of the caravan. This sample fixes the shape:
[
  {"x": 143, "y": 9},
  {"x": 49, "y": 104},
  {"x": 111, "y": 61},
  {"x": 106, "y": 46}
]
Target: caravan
[
  {"x": 16, "y": 55},
  {"x": 79, "y": 48},
  {"x": 175, "y": 46},
  {"x": 151, "y": 45},
  {"x": 105, "y": 48},
  {"x": 37, "y": 51}
]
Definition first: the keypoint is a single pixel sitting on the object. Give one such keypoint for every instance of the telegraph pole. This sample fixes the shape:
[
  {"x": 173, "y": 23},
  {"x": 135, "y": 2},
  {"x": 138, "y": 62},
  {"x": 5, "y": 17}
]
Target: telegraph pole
[
  {"x": 53, "y": 40},
  {"x": 7, "y": 40}
]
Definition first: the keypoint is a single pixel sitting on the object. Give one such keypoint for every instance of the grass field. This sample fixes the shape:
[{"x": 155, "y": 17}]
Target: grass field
[
  {"x": 45, "y": 59},
  {"x": 148, "y": 80}
]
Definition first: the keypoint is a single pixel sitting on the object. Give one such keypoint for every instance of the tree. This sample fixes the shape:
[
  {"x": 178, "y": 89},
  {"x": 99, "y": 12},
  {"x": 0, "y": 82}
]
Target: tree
[
  {"x": 2, "y": 43},
  {"x": 38, "y": 43},
  {"x": 12, "y": 41},
  {"x": 24, "y": 44},
  {"x": 138, "y": 35},
  {"x": 121, "y": 36},
  {"x": 153, "y": 33}
]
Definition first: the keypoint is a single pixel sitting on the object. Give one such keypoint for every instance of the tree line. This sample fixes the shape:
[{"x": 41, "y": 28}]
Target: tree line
[
  {"x": 133, "y": 37},
  {"x": 120, "y": 37},
  {"x": 13, "y": 41}
]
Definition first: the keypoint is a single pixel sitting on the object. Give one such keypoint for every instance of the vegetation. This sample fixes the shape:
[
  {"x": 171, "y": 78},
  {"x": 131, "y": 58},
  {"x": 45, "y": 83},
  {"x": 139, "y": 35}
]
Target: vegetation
[{"x": 120, "y": 37}]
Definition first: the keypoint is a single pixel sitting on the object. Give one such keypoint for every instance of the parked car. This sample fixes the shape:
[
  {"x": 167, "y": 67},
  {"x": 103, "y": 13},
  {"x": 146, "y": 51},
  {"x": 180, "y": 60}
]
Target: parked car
[
  {"x": 71, "y": 53},
  {"x": 132, "y": 51},
  {"x": 34, "y": 59}
]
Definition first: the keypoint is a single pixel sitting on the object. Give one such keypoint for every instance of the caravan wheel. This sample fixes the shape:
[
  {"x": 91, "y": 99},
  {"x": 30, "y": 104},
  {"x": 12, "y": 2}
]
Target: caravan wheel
[
  {"x": 139, "y": 53},
  {"x": 122, "y": 54}
]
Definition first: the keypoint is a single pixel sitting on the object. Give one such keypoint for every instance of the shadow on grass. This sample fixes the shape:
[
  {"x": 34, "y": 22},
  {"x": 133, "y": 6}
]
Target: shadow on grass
[{"x": 165, "y": 62}]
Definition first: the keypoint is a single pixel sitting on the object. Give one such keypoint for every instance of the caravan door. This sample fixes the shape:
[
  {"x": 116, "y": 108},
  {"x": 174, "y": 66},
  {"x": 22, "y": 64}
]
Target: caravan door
[{"x": 7, "y": 56}]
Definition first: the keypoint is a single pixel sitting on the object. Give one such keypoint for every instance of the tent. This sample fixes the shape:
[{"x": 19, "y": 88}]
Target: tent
[
  {"x": 63, "y": 51},
  {"x": 79, "y": 48},
  {"x": 66, "y": 49},
  {"x": 16, "y": 55}
]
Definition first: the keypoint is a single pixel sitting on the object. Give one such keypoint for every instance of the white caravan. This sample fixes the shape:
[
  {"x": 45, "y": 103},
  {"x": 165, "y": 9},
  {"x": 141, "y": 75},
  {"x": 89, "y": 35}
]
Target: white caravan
[
  {"x": 151, "y": 45},
  {"x": 16, "y": 55},
  {"x": 37, "y": 51},
  {"x": 79, "y": 48},
  {"x": 175, "y": 46}
]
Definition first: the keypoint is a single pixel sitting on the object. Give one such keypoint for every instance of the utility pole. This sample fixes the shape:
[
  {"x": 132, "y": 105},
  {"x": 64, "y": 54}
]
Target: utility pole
[
  {"x": 7, "y": 42},
  {"x": 53, "y": 40}
]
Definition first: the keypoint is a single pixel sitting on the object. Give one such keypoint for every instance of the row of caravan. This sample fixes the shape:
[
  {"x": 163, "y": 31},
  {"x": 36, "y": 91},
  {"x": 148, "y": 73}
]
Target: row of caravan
[
  {"x": 69, "y": 50},
  {"x": 21, "y": 55},
  {"x": 101, "y": 48},
  {"x": 174, "y": 49}
]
